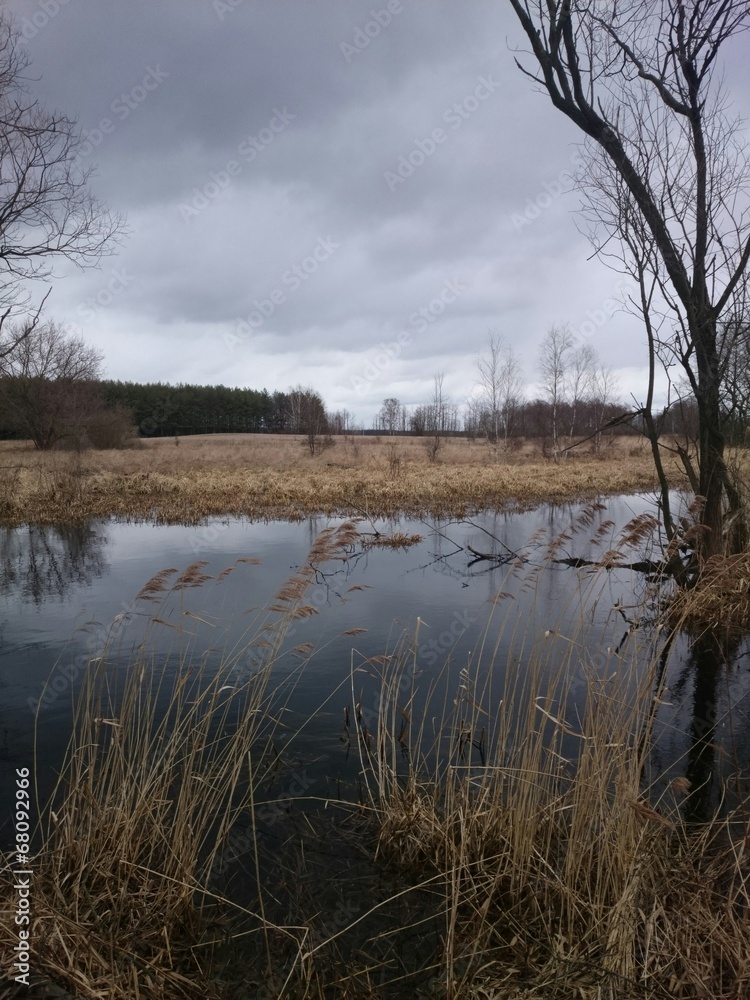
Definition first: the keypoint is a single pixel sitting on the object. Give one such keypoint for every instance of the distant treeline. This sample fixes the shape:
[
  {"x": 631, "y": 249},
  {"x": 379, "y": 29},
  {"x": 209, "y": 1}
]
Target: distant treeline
[
  {"x": 162, "y": 410},
  {"x": 103, "y": 413}
]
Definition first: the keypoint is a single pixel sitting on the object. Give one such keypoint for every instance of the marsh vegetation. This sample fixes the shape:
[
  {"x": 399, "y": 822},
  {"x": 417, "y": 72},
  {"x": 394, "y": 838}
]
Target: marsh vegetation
[{"x": 185, "y": 480}]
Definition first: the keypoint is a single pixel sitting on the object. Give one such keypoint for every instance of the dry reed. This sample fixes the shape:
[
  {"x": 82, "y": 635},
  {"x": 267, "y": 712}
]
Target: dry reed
[
  {"x": 560, "y": 873},
  {"x": 166, "y": 753},
  {"x": 269, "y": 476},
  {"x": 518, "y": 810}
]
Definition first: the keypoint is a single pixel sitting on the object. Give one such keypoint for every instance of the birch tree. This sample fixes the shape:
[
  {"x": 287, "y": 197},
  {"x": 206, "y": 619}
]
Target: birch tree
[
  {"x": 500, "y": 386},
  {"x": 554, "y": 362}
]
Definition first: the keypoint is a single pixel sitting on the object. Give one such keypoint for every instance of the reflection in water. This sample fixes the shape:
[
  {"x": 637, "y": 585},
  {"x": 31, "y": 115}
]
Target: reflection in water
[
  {"x": 46, "y": 577},
  {"x": 38, "y": 562},
  {"x": 710, "y": 656}
]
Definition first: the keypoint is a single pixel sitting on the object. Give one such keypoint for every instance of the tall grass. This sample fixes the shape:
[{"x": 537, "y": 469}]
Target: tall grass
[
  {"x": 560, "y": 871},
  {"x": 166, "y": 752},
  {"x": 560, "y": 881},
  {"x": 258, "y": 475},
  {"x": 503, "y": 801}
]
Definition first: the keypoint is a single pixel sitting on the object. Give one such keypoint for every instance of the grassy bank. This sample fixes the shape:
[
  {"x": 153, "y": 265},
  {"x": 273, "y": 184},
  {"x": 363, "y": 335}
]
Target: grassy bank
[{"x": 269, "y": 476}]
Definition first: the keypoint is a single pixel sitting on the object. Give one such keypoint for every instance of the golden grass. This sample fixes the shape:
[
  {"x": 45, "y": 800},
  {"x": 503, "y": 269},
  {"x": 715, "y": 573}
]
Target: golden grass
[
  {"x": 719, "y": 602},
  {"x": 272, "y": 476}
]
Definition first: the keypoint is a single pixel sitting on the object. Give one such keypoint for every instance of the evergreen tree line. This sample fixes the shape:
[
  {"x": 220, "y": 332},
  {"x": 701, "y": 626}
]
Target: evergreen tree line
[{"x": 162, "y": 410}]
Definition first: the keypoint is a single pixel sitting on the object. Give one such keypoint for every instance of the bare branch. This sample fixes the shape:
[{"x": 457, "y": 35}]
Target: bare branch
[
  {"x": 668, "y": 178},
  {"x": 47, "y": 211}
]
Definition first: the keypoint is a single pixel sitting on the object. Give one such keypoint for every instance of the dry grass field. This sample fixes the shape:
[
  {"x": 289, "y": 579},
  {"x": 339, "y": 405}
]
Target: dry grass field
[{"x": 274, "y": 476}]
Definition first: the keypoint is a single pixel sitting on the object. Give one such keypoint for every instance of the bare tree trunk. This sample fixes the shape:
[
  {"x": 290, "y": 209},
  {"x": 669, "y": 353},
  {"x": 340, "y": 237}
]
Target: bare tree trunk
[{"x": 667, "y": 176}]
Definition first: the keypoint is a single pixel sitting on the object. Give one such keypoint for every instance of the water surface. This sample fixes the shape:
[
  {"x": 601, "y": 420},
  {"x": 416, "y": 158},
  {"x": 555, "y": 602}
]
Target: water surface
[{"x": 67, "y": 593}]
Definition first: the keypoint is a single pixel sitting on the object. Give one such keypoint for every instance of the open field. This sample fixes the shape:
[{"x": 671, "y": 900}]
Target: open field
[{"x": 275, "y": 476}]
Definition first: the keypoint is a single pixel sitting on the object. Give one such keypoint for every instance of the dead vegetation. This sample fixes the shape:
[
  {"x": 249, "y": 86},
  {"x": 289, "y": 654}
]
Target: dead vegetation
[
  {"x": 719, "y": 603},
  {"x": 560, "y": 880},
  {"x": 269, "y": 476},
  {"x": 165, "y": 754},
  {"x": 560, "y": 872},
  {"x": 521, "y": 850}
]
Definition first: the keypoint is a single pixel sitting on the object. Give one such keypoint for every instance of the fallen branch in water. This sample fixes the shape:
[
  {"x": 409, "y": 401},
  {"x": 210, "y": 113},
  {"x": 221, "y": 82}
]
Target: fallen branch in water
[
  {"x": 493, "y": 557},
  {"x": 640, "y": 566}
]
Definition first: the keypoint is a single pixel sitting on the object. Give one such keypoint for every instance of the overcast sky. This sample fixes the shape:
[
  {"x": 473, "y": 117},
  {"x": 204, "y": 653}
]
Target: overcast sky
[{"x": 305, "y": 182}]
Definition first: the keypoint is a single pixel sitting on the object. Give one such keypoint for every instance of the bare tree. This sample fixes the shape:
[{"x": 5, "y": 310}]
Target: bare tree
[
  {"x": 437, "y": 416},
  {"x": 604, "y": 394},
  {"x": 512, "y": 390},
  {"x": 489, "y": 368},
  {"x": 419, "y": 420},
  {"x": 473, "y": 410},
  {"x": 47, "y": 388},
  {"x": 390, "y": 415},
  {"x": 554, "y": 365},
  {"x": 46, "y": 209},
  {"x": 307, "y": 416},
  {"x": 501, "y": 386},
  {"x": 580, "y": 378},
  {"x": 736, "y": 385},
  {"x": 666, "y": 187},
  {"x": 339, "y": 422}
]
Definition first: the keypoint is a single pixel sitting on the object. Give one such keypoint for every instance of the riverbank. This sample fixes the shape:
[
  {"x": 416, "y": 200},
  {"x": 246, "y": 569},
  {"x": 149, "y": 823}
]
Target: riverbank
[{"x": 186, "y": 480}]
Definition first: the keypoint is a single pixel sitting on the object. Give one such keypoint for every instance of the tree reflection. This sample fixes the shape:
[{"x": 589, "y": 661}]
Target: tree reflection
[
  {"x": 710, "y": 656},
  {"x": 38, "y": 562}
]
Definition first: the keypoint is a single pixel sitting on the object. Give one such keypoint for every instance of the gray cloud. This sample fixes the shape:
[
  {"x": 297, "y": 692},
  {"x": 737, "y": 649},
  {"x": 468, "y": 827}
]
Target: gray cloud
[{"x": 239, "y": 135}]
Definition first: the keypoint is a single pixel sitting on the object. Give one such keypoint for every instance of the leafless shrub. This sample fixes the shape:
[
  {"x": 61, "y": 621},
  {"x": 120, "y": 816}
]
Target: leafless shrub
[
  {"x": 109, "y": 429},
  {"x": 48, "y": 385},
  {"x": 47, "y": 209},
  {"x": 394, "y": 460}
]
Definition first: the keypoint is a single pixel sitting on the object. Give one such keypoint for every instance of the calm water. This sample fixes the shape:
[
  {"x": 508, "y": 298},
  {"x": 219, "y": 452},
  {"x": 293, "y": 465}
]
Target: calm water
[{"x": 65, "y": 592}]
